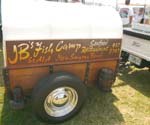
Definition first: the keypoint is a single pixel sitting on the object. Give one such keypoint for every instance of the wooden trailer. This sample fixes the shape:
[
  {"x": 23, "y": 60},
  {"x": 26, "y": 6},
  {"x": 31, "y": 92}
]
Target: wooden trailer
[{"x": 53, "y": 50}]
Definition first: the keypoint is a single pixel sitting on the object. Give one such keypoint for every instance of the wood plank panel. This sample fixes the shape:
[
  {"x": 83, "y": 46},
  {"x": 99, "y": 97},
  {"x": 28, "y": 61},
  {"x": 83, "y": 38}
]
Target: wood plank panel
[
  {"x": 27, "y": 77},
  {"x": 77, "y": 69},
  {"x": 34, "y": 53}
]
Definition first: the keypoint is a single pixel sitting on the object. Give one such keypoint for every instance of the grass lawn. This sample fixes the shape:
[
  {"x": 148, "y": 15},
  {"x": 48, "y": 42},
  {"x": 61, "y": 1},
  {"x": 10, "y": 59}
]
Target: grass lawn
[{"x": 128, "y": 104}]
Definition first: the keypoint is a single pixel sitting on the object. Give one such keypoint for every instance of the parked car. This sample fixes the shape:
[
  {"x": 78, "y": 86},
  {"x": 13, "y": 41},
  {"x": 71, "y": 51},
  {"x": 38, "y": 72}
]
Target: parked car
[
  {"x": 124, "y": 12},
  {"x": 136, "y": 45}
]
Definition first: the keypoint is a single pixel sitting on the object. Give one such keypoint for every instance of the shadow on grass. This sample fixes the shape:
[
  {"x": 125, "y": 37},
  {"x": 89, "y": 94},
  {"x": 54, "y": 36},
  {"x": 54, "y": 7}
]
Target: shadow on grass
[
  {"x": 17, "y": 117},
  {"x": 137, "y": 79},
  {"x": 98, "y": 110}
]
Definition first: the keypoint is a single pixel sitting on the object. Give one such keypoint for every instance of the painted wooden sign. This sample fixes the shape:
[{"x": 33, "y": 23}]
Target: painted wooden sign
[{"x": 48, "y": 52}]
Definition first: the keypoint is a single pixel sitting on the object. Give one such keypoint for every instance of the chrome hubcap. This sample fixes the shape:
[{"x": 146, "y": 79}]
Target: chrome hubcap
[{"x": 61, "y": 101}]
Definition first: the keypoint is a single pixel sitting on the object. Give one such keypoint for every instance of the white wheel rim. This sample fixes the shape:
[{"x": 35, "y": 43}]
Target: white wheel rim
[{"x": 61, "y": 101}]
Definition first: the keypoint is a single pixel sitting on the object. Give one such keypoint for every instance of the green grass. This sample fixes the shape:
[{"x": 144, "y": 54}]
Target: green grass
[{"x": 128, "y": 104}]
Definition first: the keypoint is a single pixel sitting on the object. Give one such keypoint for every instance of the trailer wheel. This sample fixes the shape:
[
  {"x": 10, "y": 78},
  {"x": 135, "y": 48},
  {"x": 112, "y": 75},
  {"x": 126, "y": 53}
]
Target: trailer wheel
[{"x": 58, "y": 97}]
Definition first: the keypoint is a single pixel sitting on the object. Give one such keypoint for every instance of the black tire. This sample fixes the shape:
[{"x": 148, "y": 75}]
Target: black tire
[
  {"x": 51, "y": 83},
  {"x": 124, "y": 57},
  {"x": 105, "y": 80}
]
